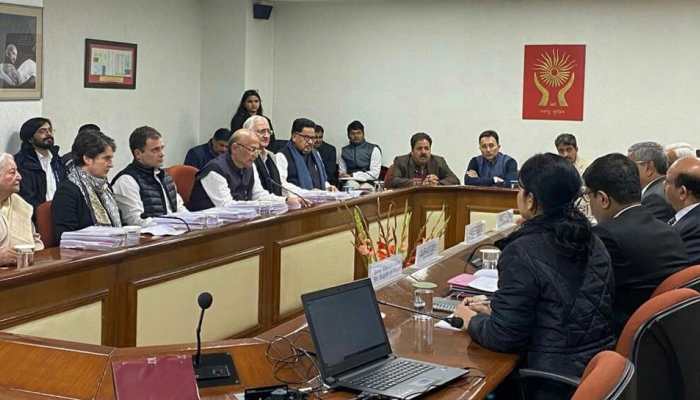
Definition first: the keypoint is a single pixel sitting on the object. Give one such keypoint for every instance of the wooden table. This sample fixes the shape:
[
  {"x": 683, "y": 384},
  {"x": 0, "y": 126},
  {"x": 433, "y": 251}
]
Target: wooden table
[
  {"x": 35, "y": 368},
  {"x": 145, "y": 295}
]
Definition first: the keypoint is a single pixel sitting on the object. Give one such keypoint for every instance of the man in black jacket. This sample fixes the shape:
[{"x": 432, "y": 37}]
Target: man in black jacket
[
  {"x": 683, "y": 191},
  {"x": 199, "y": 156},
  {"x": 143, "y": 189},
  {"x": 38, "y": 162},
  {"x": 329, "y": 155},
  {"x": 652, "y": 164},
  {"x": 644, "y": 251}
]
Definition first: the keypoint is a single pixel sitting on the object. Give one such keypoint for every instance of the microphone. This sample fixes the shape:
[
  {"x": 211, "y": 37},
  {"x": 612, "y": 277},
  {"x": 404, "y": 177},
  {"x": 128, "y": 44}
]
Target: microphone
[
  {"x": 455, "y": 322},
  {"x": 189, "y": 229},
  {"x": 304, "y": 202},
  {"x": 212, "y": 369}
]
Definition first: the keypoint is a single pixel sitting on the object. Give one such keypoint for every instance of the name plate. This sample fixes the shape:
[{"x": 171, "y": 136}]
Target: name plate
[
  {"x": 385, "y": 271},
  {"x": 427, "y": 252},
  {"x": 505, "y": 220},
  {"x": 474, "y": 232}
]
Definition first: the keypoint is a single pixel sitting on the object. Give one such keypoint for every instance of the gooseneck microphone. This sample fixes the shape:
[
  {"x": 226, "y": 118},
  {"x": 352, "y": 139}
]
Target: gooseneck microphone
[
  {"x": 455, "y": 322},
  {"x": 304, "y": 202},
  {"x": 204, "y": 300},
  {"x": 189, "y": 229},
  {"x": 211, "y": 369}
]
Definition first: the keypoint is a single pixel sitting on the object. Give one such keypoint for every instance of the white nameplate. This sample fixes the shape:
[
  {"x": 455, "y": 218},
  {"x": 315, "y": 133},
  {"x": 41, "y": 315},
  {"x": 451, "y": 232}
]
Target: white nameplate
[
  {"x": 427, "y": 252},
  {"x": 385, "y": 271},
  {"x": 474, "y": 232},
  {"x": 505, "y": 220}
]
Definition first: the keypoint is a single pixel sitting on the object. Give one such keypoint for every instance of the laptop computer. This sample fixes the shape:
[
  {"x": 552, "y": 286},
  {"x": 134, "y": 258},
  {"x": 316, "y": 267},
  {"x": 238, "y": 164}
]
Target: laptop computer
[{"x": 353, "y": 348}]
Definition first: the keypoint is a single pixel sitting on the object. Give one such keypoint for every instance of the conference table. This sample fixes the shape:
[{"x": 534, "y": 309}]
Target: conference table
[{"x": 73, "y": 312}]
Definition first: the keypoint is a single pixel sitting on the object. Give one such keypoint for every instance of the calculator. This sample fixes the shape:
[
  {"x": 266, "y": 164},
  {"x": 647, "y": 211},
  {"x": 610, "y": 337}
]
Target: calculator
[{"x": 445, "y": 304}]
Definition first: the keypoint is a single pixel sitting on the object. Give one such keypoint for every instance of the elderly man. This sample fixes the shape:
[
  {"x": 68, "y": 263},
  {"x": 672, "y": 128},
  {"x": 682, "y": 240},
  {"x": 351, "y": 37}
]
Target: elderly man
[
  {"x": 15, "y": 214},
  {"x": 143, "y": 189},
  {"x": 300, "y": 165},
  {"x": 492, "y": 167},
  {"x": 266, "y": 171},
  {"x": 228, "y": 179},
  {"x": 421, "y": 167},
  {"x": 652, "y": 165},
  {"x": 359, "y": 160},
  {"x": 683, "y": 191},
  {"x": 676, "y": 151}
]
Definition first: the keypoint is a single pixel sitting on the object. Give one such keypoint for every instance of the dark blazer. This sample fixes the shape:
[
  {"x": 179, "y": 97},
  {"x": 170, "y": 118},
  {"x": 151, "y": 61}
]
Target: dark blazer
[
  {"x": 330, "y": 161},
  {"x": 405, "y": 171},
  {"x": 689, "y": 229},
  {"x": 552, "y": 307},
  {"x": 510, "y": 172},
  {"x": 644, "y": 251},
  {"x": 654, "y": 200},
  {"x": 70, "y": 211},
  {"x": 32, "y": 188},
  {"x": 199, "y": 156}
]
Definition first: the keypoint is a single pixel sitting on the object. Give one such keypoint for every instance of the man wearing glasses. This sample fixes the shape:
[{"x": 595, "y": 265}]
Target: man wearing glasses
[
  {"x": 266, "y": 171},
  {"x": 229, "y": 178},
  {"x": 38, "y": 162},
  {"x": 300, "y": 165}
]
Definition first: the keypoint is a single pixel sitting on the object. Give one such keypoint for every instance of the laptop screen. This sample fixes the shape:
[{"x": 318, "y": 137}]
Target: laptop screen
[{"x": 346, "y": 326}]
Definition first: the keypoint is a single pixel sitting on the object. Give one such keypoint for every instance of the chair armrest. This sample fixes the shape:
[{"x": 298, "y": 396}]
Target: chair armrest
[{"x": 526, "y": 374}]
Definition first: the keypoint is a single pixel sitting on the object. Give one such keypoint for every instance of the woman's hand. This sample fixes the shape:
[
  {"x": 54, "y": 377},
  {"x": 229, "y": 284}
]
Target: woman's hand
[{"x": 8, "y": 256}]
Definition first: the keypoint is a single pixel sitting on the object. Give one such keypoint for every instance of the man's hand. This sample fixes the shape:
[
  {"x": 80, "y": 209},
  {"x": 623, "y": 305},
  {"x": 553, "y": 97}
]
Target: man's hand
[
  {"x": 343, "y": 175},
  {"x": 332, "y": 188},
  {"x": 431, "y": 180},
  {"x": 463, "y": 311},
  {"x": 8, "y": 256},
  {"x": 498, "y": 179},
  {"x": 294, "y": 202},
  {"x": 472, "y": 174}
]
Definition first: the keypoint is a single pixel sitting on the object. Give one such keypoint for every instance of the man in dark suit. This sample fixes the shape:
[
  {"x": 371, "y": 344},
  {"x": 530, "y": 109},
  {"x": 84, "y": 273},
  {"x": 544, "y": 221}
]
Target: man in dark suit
[
  {"x": 421, "y": 167},
  {"x": 683, "y": 191},
  {"x": 328, "y": 155},
  {"x": 643, "y": 250},
  {"x": 652, "y": 165}
]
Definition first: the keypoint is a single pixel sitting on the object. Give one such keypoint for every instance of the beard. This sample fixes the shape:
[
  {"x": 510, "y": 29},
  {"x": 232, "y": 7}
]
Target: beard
[{"x": 44, "y": 144}]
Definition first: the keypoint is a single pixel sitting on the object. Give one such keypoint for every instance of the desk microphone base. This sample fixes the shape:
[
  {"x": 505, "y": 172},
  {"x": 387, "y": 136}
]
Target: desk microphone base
[{"x": 215, "y": 369}]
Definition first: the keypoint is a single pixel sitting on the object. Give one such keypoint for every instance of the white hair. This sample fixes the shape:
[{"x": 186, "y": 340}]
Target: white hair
[
  {"x": 248, "y": 124},
  {"x": 4, "y": 157},
  {"x": 682, "y": 150}
]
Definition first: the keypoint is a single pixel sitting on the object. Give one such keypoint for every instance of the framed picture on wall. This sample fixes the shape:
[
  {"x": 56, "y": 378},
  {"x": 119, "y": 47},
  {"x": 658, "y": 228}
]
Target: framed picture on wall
[
  {"x": 110, "y": 65},
  {"x": 21, "y": 42}
]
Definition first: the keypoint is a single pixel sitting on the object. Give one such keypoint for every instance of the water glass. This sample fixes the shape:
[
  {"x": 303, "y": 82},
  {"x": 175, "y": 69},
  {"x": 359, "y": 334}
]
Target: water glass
[
  {"x": 25, "y": 255},
  {"x": 133, "y": 234},
  {"x": 489, "y": 258},
  {"x": 423, "y": 298},
  {"x": 211, "y": 219}
]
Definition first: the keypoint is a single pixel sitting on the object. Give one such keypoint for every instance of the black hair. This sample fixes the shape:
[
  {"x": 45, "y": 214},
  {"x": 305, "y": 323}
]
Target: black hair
[
  {"x": 489, "y": 133},
  {"x": 566, "y": 139},
  {"x": 89, "y": 127},
  {"x": 617, "y": 176},
  {"x": 246, "y": 94},
  {"x": 417, "y": 137},
  {"x": 222, "y": 134},
  {"x": 90, "y": 144},
  {"x": 138, "y": 138},
  {"x": 691, "y": 183},
  {"x": 319, "y": 128},
  {"x": 300, "y": 123},
  {"x": 356, "y": 126},
  {"x": 30, "y": 126},
  {"x": 555, "y": 186}
]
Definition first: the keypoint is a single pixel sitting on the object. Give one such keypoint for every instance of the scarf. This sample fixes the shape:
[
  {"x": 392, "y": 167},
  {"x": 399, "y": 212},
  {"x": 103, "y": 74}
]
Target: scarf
[
  {"x": 17, "y": 218},
  {"x": 98, "y": 196},
  {"x": 305, "y": 180}
]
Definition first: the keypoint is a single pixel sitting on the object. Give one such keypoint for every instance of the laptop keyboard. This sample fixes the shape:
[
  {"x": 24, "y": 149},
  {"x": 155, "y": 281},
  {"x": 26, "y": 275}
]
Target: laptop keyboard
[{"x": 390, "y": 374}]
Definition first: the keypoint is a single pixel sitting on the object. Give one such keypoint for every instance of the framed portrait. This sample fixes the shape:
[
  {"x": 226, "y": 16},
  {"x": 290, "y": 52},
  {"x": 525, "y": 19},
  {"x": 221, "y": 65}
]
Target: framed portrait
[
  {"x": 110, "y": 65},
  {"x": 21, "y": 43}
]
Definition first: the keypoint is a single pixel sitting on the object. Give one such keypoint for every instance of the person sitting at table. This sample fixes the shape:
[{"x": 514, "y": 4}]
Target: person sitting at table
[
  {"x": 200, "y": 155},
  {"x": 328, "y": 154},
  {"x": 420, "y": 167},
  {"x": 85, "y": 198},
  {"x": 492, "y": 167},
  {"x": 229, "y": 179},
  {"x": 15, "y": 214},
  {"x": 359, "y": 160},
  {"x": 300, "y": 165},
  {"x": 266, "y": 172},
  {"x": 143, "y": 189},
  {"x": 555, "y": 288}
]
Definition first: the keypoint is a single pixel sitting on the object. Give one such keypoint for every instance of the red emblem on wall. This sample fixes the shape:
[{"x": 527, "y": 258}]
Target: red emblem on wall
[{"x": 553, "y": 82}]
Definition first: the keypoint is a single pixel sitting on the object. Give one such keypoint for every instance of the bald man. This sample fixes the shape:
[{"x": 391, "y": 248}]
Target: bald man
[
  {"x": 229, "y": 178},
  {"x": 683, "y": 191}
]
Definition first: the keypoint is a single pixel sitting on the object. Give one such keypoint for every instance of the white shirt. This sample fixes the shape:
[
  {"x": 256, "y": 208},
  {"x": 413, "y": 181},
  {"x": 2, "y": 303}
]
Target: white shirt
[
  {"x": 45, "y": 162},
  {"x": 282, "y": 165},
  {"x": 219, "y": 193},
  {"x": 375, "y": 166},
  {"x": 126, "y": 193},
  {"x": 683, "y": 211},
  {"x": 625, "y": 209}
]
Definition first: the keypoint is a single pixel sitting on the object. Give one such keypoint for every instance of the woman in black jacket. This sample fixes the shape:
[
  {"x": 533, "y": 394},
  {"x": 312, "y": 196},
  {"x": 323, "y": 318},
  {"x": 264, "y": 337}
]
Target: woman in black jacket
[
  {"x": 251, "y": 104},
  {"x": 554, "y": 299}
]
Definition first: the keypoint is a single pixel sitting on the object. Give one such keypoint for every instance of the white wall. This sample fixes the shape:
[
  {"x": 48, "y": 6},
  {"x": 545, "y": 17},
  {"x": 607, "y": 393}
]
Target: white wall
[
  {"x": 14, "y": 113},
  {"x": 167, "y": 95},
  {"x": 454, "y": 69},
  {"x": 259, "y": 60}
]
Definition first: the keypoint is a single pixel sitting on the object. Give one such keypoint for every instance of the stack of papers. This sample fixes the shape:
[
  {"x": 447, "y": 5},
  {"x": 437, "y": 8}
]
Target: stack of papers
[
  {"x": 94, "y": 238},
  {"x": 234, "y": 214},
  {"x": 258, "y": 207},
  {"x": 323, "y": 196}
]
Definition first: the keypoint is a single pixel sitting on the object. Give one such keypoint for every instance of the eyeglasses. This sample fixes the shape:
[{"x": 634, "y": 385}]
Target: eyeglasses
[
  {"x": 264, "y": 132},
  {"x": 252, "y": 150},
  {"x": 307, "y": 138}
]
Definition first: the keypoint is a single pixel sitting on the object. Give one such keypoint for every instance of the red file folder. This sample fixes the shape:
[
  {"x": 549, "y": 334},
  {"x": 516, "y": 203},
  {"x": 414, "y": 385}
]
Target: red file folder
[{"x": 155, "y": 378}]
